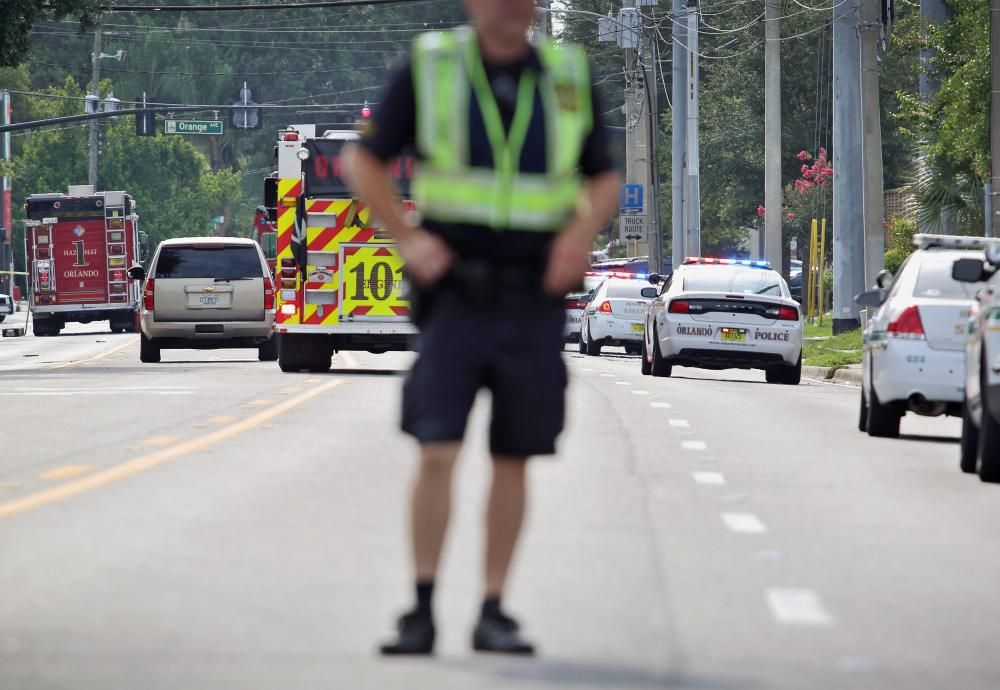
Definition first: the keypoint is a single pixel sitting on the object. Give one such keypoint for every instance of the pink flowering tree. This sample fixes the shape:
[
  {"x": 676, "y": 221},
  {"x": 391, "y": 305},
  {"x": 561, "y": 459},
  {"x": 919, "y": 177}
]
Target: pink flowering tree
[{"x": 809, "y": 196}]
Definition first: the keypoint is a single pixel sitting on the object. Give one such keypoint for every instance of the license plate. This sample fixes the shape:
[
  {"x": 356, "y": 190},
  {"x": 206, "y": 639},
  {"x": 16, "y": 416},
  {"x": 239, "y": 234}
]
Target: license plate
[
  {"x": 638, "y": 327},
  {"x": 217, "y": 301},
  {"x": 732, "y": 335}
]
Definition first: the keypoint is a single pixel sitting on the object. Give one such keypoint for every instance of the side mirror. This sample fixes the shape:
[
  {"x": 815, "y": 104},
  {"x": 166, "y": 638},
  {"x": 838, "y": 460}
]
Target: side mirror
[
  {"x": 993, "y": 254},
  {"x": 649, "y": 293},
  {"x": 143, "y": 246},
  {"x": 968, "y": 271},
  {"x": 884, "y": 279},
  {"x": 137, "y": 273},
  {"x": 655, "y": 278},
  {"x": 872, "y": 298}
]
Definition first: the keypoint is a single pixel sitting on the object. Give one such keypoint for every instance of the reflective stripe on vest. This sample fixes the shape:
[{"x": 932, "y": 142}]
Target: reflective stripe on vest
[{"x": 448, "y": 71}]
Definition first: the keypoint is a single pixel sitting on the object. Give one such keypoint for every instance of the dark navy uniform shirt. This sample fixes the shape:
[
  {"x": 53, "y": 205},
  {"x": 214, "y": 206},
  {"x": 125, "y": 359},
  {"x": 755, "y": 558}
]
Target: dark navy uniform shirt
[{"x": 393, "y": 130}]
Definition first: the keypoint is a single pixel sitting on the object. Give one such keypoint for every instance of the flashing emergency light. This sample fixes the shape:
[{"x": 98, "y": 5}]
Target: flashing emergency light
[
  {"x": 366, "y": 112},
  {"x": 709, "y": 261},
  {"x": 618, "y": 274},
  {"x": 924, "y": 240}
]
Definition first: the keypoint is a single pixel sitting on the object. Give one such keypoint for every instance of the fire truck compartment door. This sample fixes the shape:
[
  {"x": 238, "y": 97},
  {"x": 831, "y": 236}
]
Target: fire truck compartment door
[{"x": 374, "y": 283}]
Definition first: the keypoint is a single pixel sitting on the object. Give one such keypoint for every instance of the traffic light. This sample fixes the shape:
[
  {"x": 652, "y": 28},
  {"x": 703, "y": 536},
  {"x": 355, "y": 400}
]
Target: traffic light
[
  {"x": 145, "y": 123},
  {"x": 246, "y": 118}
]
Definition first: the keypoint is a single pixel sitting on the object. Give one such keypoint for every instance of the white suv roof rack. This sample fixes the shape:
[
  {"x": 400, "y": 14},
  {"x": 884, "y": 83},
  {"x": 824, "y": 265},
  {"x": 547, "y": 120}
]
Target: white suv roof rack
[{"x": 928, "y": 241}]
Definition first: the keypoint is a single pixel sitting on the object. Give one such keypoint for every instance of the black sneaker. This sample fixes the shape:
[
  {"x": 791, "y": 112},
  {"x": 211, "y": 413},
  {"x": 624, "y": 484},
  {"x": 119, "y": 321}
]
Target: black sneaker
[
  {"x": 500, "y": 634},
  {"x": 416, "y": 636}
]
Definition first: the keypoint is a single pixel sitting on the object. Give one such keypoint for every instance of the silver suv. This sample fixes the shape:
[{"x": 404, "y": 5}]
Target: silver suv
[{"x": 206, "y": 293}]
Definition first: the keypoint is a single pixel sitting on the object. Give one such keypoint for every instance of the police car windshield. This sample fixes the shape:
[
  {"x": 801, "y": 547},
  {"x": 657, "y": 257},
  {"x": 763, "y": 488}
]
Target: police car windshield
[
  {"x": 626, "y": 289},
  {"x": 226, "y": 262},
  {"x": 934, "y": 281},
  {"x": 743, "y": 281}
]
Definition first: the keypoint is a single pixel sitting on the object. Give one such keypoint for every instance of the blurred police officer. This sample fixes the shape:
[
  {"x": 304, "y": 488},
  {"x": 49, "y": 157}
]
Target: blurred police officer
[{"x": 514, "y": 181}]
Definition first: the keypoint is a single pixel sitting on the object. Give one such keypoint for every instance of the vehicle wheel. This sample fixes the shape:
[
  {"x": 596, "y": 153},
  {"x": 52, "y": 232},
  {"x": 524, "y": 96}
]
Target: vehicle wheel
[
  {"x": 659, "y": 366},
  {"x": 593, "y": 349},
  {"x": 268, "y": 352},
  {"x": 969, "y": 443},
  {"x": 989, "y": 444},
  {"x": 792, "y": 376},
  {"x": 645, "y": 367},
  {"x": 148, "y": 352},
  {"x": 2, "y": 317},
  {"x": 883, "y": 420},
  {"x": 632, "y": 349},
  {"x": 580, "y": 345},
  {"x": 288, "y": 356},
  {"x": 42, "y": 328},
  {"x": 863, "y": 416}
]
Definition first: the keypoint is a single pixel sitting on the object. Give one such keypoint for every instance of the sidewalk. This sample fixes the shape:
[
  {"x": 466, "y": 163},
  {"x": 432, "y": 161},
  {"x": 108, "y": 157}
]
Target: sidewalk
[{"x": 849, "y": 375}]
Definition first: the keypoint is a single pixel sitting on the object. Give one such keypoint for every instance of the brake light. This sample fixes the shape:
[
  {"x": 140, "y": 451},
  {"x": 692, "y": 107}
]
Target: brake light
[
  {"x": 907, "y": 324},
  {"x": 605, "y": 307},
  {"x": 680, "y": 306},
  {"x": 147, "y": 295},
  {"x": 290, "y": 136},
  {"x": 788, "y": 313},
  {"x": 268, "y": 295},
  {"x": 573, "y": 303}
]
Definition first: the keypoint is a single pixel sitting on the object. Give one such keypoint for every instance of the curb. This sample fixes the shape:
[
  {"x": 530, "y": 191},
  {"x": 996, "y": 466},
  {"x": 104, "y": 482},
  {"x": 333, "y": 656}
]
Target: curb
[{"x": 850, "y": 376}]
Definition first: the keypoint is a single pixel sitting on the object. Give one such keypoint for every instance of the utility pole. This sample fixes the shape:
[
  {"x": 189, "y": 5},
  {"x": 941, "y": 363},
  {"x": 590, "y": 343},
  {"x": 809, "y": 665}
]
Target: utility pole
[
  {"x": 692, "y": 241},
  {"x": 993, "y": 222},
  {"x": 6, "y": 209},
  {"x": 933, "y": 12},
  {"x": 871, "y": 132},
  {"x": 848, "y": 218},
  {"x": 772, "y": 135},
  {"x": 678, "y": 120},
  {"x": 95, "y": 59},
  {"x": 654, "y": 229}
]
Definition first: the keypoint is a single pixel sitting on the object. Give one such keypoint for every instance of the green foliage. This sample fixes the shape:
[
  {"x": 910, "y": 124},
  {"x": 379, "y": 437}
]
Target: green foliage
[
  {"x": 900, "y": 246},
  {"x": 823, "y": 349},
  {"x": 18, "y": 16}
]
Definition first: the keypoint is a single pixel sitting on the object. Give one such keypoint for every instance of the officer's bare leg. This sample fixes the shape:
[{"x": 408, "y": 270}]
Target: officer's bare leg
[
  {"x": 431, "y": 506},
  {"x": 504, "y": 516}
]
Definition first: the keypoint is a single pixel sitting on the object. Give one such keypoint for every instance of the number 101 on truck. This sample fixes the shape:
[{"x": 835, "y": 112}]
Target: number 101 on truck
[
  {"x": 80, "y": 246},
  {"x": 342, "y": 281}
]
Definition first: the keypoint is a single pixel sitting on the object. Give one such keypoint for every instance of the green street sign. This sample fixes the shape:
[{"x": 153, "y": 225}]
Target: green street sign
[{"x": 192, "y": 126}]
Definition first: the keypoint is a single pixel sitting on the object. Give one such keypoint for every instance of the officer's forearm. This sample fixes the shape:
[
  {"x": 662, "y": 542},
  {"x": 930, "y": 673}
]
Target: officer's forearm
[
  {"x": 598, "y": 203},
  {"x": 370, "y": 180}
]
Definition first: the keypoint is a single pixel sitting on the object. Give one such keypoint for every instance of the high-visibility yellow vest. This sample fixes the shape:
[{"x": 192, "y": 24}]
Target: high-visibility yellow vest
[{"x": 447, "y": 72}]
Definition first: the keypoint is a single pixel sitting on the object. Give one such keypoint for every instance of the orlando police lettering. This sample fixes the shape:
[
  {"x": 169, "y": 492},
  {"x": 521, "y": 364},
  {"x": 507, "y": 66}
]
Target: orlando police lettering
[
  {"x": 694, "y": 330},
  {"x": 770, "y": 335}
]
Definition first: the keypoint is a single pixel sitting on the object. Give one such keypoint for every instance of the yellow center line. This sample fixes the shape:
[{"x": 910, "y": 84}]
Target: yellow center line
[
  {"x": 221, "y": 420},
  {"x": 65, "y": 472},
  {"x": 257, "y": 403},
  {"x": 147, "y": 462},
  {"x": 96, "y": 358},
  {"x": 159, "y": 441}
]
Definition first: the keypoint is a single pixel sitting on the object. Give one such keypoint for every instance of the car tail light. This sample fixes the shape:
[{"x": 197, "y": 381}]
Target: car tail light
[
  {"x": 268, "y": 295},
  {"x": 788, "y": 314},
  {"x": 605, "y": 307},
  {"x": 573, "y": 303},
  {"x": 680, "y": 306},
  {"x": 907, "y": 324},
  {"x": 147, "y": 295}
]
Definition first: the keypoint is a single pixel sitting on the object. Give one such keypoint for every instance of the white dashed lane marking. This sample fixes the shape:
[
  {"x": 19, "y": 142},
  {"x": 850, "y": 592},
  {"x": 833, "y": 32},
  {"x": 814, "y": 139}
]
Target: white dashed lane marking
[
  {"x": 709, "y": 477},
  {"x": 797, "y": 607},
  {"x": 660, "y": 405},
  {"x": 623, "y": 383},
  {"x": 640, "y": 392},
  {"x": 744, "y": 523},
  {"x": 694, "y": 445},
  {"x": 679, "y": 423}
]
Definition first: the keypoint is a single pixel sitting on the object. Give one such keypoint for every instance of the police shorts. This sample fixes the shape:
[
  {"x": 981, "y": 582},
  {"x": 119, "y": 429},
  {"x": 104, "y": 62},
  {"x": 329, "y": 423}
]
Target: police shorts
[{"x": 512, "y": 348}]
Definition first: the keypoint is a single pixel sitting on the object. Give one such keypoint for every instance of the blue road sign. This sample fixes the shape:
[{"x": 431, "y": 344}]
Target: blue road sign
[{"x": 632, "y": 198}]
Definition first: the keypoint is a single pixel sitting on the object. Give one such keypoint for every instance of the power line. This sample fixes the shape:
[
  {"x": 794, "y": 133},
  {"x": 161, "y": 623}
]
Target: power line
[{"x": 240, "y": 8}]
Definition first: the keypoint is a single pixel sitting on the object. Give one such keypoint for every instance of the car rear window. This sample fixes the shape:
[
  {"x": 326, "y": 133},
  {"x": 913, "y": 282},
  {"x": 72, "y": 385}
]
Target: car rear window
[
  {"x": 934, "y": 281},
  {"x": 221, "y": 261},
  {"x": 753, "y": 281},
  {"x": 626, "y": 289}
]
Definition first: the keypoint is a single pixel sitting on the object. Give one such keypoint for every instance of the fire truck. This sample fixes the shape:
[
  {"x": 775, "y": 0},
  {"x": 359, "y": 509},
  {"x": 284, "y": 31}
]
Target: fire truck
[
  {"x": 264, "y": 231},
  {"x": 343, "y": 285},
  {"x": 80, "y": 246}
]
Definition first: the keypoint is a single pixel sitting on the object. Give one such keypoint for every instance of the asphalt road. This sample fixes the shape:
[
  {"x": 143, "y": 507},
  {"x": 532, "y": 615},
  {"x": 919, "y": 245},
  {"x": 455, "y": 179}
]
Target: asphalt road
[{"x": 210, "y": 522}]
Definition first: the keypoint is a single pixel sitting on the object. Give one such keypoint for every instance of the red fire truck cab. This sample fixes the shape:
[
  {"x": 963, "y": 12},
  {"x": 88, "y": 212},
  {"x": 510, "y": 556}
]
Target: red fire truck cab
[{"x": 80, "y": 246}]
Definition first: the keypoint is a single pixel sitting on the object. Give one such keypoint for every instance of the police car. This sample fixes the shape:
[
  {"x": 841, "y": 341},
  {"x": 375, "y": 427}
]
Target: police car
[
  {"x": 913, "y": 358},
  {"x": 723, "y": 314},
  {"x": 576, "y": 302},
  {"x": 980, "y": 446},
  {"x": 615, "y": 315}
]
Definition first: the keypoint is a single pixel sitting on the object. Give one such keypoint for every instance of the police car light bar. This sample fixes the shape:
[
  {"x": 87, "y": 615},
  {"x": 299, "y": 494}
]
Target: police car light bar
[
  {"x": 928, "y": 241},
  {"x": 704, "y": 260},
  {"x": 618, "y": 274}
]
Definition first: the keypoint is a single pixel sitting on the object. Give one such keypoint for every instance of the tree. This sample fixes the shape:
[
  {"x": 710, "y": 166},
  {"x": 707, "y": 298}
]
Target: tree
[{"x": 18, "y": 16}]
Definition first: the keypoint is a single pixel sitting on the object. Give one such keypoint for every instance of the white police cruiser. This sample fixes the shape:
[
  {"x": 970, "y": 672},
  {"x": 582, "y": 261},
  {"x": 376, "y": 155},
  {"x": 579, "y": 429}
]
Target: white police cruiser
[
  {"x": 913, "y": 359},
  {"x": 980, "y": 447},
  {"x": 723, "y": 314},
  {"x": 576, "y": 302},
  {"x": 615, "y": 315}
]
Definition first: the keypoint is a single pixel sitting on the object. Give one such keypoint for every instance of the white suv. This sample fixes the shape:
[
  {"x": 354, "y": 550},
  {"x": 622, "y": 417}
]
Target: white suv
[
  {"x": 913, "y": 358},
  {"x": 980, "y": 447},
  {"x": 205, "y": 293}
]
